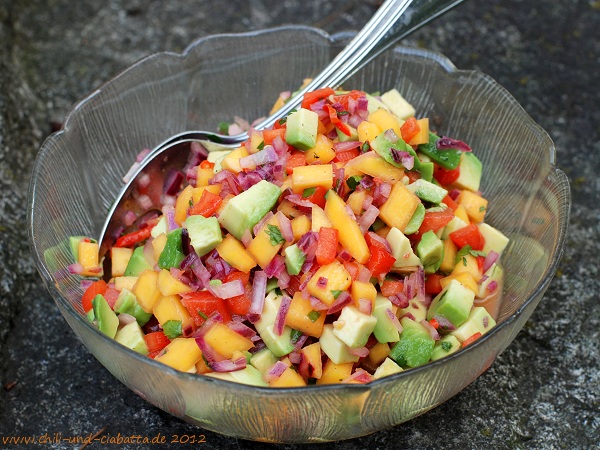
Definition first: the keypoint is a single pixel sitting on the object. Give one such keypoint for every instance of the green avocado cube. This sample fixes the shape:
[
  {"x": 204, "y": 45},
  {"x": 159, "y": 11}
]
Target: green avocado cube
[
  {"x": 470, "y": 172},
  {"x": 132, "y": 336},
  {"x": 427, "y": 191},
  {"x": 245, "y": 210},
  {"x": 248, "y": 375},
  {"x": 301, "y": 129},
  {"x": 172, "y": 253},
  {"x": 415, "y": 345},
  {"x": 416, "y": 220},
  {"x": 430, "y": 249},
  {"x": 263, "y": 360},
  {"x": 127, "y": 304},
  {"x": 453, "y": 304},
  {"x": 386, "y": 368},
  {"x": 137, "y": 263},
  {"x": 385, "y": 330},
  {"x": 280, "y": 345},
  {"x": 334, "y": 347},
  {"x": 294, "y": 259},
  {"x": 354, "y": 327},
  {"x": 205, "y": 233},
  {"x": 105, "y": 318},
  {"x": 445, "y": 346},
  {"x": 479, "y": 321}
]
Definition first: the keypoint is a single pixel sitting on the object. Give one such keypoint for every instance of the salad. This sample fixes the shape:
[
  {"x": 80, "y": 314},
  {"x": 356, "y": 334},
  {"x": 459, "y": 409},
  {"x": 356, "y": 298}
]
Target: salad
[{"x": 344, "y": 244}]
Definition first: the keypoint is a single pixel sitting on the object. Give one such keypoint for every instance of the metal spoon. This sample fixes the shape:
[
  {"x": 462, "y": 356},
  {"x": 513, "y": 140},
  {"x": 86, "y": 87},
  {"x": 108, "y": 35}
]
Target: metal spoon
[{"x": 394, "y": 20}]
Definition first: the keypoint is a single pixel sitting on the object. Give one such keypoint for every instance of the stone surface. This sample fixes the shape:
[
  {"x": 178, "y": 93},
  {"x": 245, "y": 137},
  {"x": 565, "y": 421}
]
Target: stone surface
[{"x": 542, "y": 392}]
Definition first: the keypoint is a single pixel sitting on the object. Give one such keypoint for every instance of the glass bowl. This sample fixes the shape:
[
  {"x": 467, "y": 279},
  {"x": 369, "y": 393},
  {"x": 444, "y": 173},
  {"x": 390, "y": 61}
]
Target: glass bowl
[{"x": 78, "y": 171}]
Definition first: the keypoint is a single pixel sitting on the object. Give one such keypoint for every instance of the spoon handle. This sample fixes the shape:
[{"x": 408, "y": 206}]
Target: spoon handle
[{"x": 394, "y": 20}]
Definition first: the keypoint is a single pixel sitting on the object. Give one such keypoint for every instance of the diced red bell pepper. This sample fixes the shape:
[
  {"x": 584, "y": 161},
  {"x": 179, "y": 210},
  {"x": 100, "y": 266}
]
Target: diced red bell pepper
[
  {"x": 270, "y": 135},
  {"x": 380, "y": 261},
  {"x": 135, "y": 237},
  {"x": 344, "y": 99},
  {"x": 353, "y": 268},
  {"x": 445, "y": 176},
  {"x": 296, "y": 159},
  {"x": 327, "y": 244},
  {"x": 412, "y": 175},
  {"x": 471, "y": 339},
  {"x": 433, "y": 221},
  {"x": 346, "y": 155},
  {"x": 97, "y": 287},
  {"x": 335, "y": 120},
  {"x": 202, "y": 304},
  {"x": 207, "y": 205},
  {"x": 433, "y": 285},
  {"x": 156, "y": 341},
  {"x": 391, "y": 287},
  {"x": 449, "y": 202},
  {"x": 318, "y": 196},
  {"x": 314, "y": 96},
  {"x": 240, "y": 304},
  {"x": 409, "y": 129},
  {"x": 206, "y": 164},
  {"x": 469, "y": 235}
]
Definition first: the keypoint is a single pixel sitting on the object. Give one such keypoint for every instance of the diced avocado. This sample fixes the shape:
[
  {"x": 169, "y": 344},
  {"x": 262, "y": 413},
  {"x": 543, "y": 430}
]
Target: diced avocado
[
  {"x": 263, "y": 360},
  {"x": 301, "y": 129},
  {"x": 448, "y": 158},
  {"x": 343, "y": 137},
  {"x": 245, "y": 210},
  {"x": 416, "y": 308},
  {"x": 453, "y": 304},
  {"x": 387, "y": 367},
  {"x": 334, "y": 348},
  {"x": 172, "y": 253},
  {"x": 453, "y": 225},
  {"x": 445, "y": 346},
  {"x": 416, "y": 220},
  {"x": 374, "y": 104},
  {"x": 427, "y": 191},
  {"x": 132, "y": 336},
  {"x": 354, "y": 327},
  {"x": 205, "y": 233},
  {"x": 479, "y": 321},
  {"x": 430, "y": 249},
  {"x": 248, "y": 375},
  {"x": 272, "y": 283},
  {"x": 160, "y": 227},
  {"x": 294, "y": 259},
  {"x": 397, "y": 104},
  {"x": 402, "y": 250},
  {"x": 280, "y": 345},
  {"x": 216, "y": 157},
  {"x": 426, "y": 170},
  {"x": 494, "y": 273},
  {"x": 470, "y": 172},
  {"x": 385, "y": 330},
  {"x": 383, "y": 146},
  {"x": 494, "y": 239},
  {"x": 105, "y": 318},
  {"x": 415, "y": 345},
  {"x": 127, "y": 304},
  {"x": 137, "y": 263}
]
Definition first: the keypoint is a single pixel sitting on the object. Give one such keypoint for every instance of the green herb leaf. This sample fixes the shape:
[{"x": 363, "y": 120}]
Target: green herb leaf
[
  {"x": 295, "y": 335},
  {"x": 336, "y": 294},
  {"x": 481, "y": 208},
  {"x": 446, "y": 346},
  {"x": 223, "y": 127},
  {"x": 308, "y": 192},
  {"x": 313, "y": 315},
  {"x": 215, "y": 282},
  {"x": 261, "y": 145},
  {"x": 172, "y": 329},
  {"x": 353, "y": 181},
  {"x": 343, "y": 113},
  {"x": 275, "y": 237},
  {"x": 365, "y": 147},
  {"x": 467, "y": 250},
  {"x": 201, "y": 314}
]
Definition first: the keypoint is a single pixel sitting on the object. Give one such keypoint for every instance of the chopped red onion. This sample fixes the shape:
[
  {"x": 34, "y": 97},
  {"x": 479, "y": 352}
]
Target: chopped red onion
[
  {"x": 322, "y": 282},
  {"x": 75, "y": 268},
  {"x": 367, "y": 202},
  {"x": 391, "y": 135},
  {"x": 454, "y": 193},
  {"x": 264, "y": 156},
  {"x": 355, "y": 120},
  {"x": 297, "y": 199},
  {"x": 431, "y": 330},
  {"x": 144, "y": 201},
  {"x": 482, "y": 279},
  {"x": 346, "y": 146},
  {"x": 275, "y": 267},
  {"x": 172, "y": 183},
  {"x": 144, "y": 181},
  {"x": 285, "y": 225},
  {"x": 295, "y": 357},
  {"x": 361, "y": 352},
  {"x": 169, "y": 213},
  {"x": 400, "y": 299},
  {"x": 381, "y": 193},
  {"x": 276, "y": 371},
  {"x": 300, "y": 342},
  {"x": 280, "y": 146},
  {"x": 125, "y": 319},
  {"x": 247, "y": 237},
  {"x": 420, "y": 284},
  {"x": 343, "y": 299},
  {"x": 359, "y": 376},
  {"x": 259, "y": 289},
  {"x": 490, "y": 259},
  {"x": 283, "y": 280},
  {"x": 131, "y": 172},
  {"x": 230, "y": 289},
  {"x": 318, "y": 305},
  {"x": 318, "y": 106},
  {"x": 364, "y": 274},
  {"x": 394, "y": 319},
  {"x": 262, "y": 222},
  {"x": 208, "y": 352},
  {"x": 284, "y": 307},
  {"x": 129, "y": 218},
  {"x": 228, "y": 366},
  {"x": 365, "y": 306},
  {"x": 367, "y": 182},
  {"x": 241, "y": 329},
  {"x": 228, "y": 181},
  {"x": 444, "y": 323},
  {"x": 446, "y": 143},
  {"x": 344, "y": 255},
  {"x": 381, "y": 240},
  {"x": 410, "y": 316},
  {"x": 492, "y": 286}
]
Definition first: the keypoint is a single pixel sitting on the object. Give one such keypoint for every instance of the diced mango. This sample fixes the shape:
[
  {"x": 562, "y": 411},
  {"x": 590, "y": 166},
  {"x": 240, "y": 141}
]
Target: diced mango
[
  {"x": 312, "y": 353},
  {"x": 372, "y": 164},
  {"x": 367, "y": 131},
  {"x": 322, "y": 153},
  {"x": 289, "y": 378},
  {"x": 235, "y": 254},
  {"x": 87, "y": 256},
  {"x": 304, "y": 177},
  {"x": 465, "y": 278},
  {"x": 302, "y": 317},
  {"x": 261, "y": 247},
  {"x": 125, "y": 283},
  {"x": 349, "y": 234},
  {"x": 256, "y": 139},
  {"x": 422, "y": 137},
  {"x": 225, "y": 341},
  {"x": 399, "y": 208},
  {"x": 338, "y": 279},
  {"x": 385, "y": 120},
  {"x": 169, "y": 285},
  {"x": 288, "y": 209},
  {"x": 119, "y": 258},
  {"x": 356, "y": 200},
  {"x": 169, "y": 307},
  {"x": 300, "y": 226},
  {"x": 146, "y": 290},
  {"x": 362, "y": 289},
  {"x": 448, "y": 260},
  {"x": 202, "y": 176},
  {"x": 183, "y": 203},
  {"x": 181, "y": 354},
  {"x": 475, "y": 205},
  {"x": 378, "y": 353},
  {"x": 334, "y": 373},
  {"x": 158, "y": 245},
  {"x": 467, "y": 263},
  {"x": 319, "y": 219},
  {"x": 461, "y": 213},
  {"x": 231, "y": 162},
  {"x": 202, "y": 367}
]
